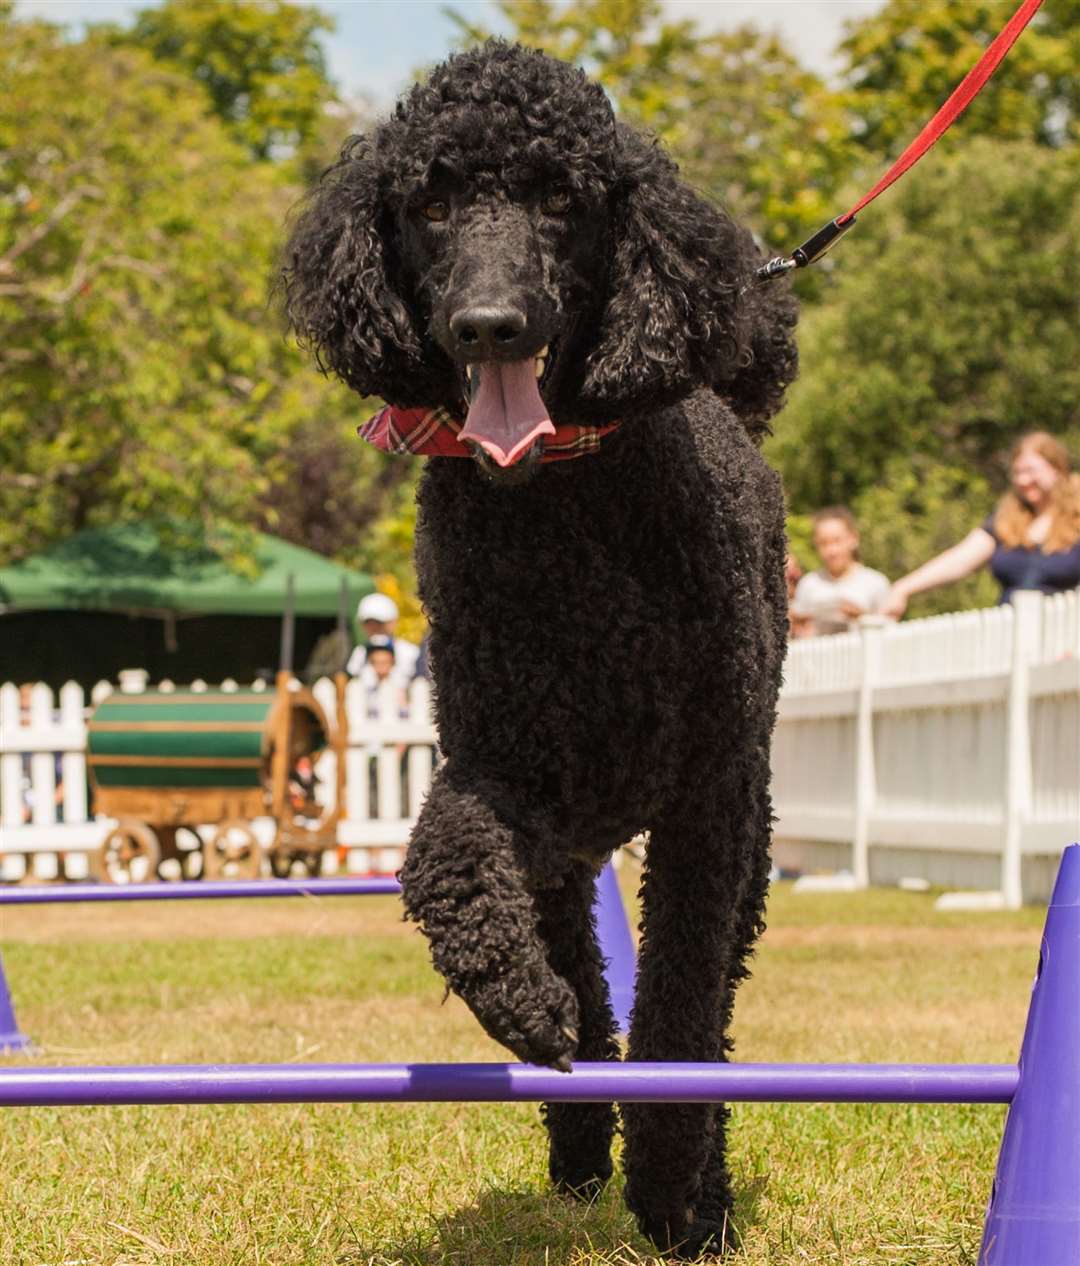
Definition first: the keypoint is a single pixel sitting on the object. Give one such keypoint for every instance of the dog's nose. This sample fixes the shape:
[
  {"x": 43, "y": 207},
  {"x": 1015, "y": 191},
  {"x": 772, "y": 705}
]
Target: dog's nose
[{"x": 484, "y": 331}]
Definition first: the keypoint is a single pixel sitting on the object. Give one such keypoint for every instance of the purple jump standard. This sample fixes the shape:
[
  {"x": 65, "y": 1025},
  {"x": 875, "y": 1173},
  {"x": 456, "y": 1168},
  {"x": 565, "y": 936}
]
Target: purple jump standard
[
  {"x": 1033, "y": 1218},
  {"x": 10, "y": 1037},
  {"x": 498, "y": 1083}
]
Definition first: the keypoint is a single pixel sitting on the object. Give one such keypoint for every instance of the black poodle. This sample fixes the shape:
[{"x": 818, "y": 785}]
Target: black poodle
[{"x": 527, "y": 279}]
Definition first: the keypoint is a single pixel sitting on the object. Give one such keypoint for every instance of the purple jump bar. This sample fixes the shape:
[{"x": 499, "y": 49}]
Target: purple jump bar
[
  {"x": 487, "y": 1083},
  {"x": 198, "y": 890}
]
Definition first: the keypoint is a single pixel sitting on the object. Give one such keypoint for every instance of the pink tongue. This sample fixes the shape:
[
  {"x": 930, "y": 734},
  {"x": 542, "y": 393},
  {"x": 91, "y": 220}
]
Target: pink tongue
[{"x": 506, "y": 413}]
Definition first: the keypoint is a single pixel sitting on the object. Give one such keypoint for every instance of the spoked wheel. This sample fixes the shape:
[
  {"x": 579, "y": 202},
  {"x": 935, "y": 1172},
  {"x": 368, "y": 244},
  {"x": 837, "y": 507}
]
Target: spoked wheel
[
  {"x": 233, "y": 853},
  {"x": 130, "y": 854}
]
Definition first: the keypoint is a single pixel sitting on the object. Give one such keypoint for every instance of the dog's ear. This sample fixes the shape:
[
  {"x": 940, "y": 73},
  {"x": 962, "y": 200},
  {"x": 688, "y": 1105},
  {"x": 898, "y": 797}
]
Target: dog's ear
[
  {"x": 679, "y": 313},
  {"x": 337, "y": 277}
]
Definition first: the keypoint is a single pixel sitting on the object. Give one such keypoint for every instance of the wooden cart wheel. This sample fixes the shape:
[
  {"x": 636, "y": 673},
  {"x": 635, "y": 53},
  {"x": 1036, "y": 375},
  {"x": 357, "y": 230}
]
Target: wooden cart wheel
[
  {"x": 233, "y": 853},
  {"x": 129, "y": 854}
]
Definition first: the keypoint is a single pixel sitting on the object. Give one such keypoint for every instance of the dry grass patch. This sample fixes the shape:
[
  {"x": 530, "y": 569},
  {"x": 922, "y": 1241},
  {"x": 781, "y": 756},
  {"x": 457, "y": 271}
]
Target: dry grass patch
[{"x": 205, "y": 920}]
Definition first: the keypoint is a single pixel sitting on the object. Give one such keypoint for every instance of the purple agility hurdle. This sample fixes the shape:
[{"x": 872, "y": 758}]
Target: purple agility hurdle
[
  {"x": 616, "y": 941},
  {"x": 198, "y": 890},
  {"x": 203, "y": 890},
  {"x": 1033, "y": 1218},
  {"x": 501, "y": 1083}
]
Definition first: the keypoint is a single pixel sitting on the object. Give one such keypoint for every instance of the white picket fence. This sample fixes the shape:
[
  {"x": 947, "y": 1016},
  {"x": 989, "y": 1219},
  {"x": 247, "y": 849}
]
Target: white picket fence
[
  {"x": 390, "y": 754},
  {"x": 946, "y": 749}
]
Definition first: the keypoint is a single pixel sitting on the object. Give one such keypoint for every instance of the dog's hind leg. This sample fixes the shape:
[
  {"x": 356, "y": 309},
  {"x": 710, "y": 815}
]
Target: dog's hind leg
[
  {"x": 705, "y": 879},
  {"x": 467, "y": 880},
  {"x": 580, "y": 1134}
]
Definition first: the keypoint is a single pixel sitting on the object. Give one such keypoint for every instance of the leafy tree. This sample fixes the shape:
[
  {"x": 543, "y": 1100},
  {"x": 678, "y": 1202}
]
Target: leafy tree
[
  {"x": 332, "y": 493},
  {"x": 918, "y": 508},
  {"x": 951, "y": 329},
  {"x": 903, "y": 61},
  {"x": 260, "y": 61},
  {"x": 144, "y": 375}
]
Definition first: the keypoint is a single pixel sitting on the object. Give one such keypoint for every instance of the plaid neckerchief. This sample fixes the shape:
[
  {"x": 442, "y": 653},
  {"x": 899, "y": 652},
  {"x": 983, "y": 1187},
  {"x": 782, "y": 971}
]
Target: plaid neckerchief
[{"x": 434, "y": 433}]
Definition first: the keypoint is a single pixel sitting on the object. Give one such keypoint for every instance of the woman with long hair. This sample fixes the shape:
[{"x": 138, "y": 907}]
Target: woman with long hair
[{"x": 1031, "y": 541}]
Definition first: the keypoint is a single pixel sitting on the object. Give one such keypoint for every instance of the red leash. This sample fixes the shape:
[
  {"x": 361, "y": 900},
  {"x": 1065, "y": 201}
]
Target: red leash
[{"x": 962, "y": 96}]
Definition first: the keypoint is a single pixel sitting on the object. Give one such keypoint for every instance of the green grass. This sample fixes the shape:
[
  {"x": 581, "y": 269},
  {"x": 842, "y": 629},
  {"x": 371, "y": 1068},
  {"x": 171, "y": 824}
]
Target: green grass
[{"x": 878, "y": 976}]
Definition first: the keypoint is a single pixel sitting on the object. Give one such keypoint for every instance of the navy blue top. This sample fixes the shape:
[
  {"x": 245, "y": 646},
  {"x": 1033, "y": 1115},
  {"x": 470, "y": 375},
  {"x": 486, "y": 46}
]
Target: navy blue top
[{"x": 1028, "y": 567}]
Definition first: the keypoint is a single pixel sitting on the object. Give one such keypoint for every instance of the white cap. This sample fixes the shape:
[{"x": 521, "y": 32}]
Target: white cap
[{"x": 377, "y": 606}]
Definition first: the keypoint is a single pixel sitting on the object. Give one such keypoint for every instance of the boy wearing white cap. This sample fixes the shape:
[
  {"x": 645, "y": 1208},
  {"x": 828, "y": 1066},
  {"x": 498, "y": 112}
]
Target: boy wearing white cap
[{"x": 378, "y": 615}]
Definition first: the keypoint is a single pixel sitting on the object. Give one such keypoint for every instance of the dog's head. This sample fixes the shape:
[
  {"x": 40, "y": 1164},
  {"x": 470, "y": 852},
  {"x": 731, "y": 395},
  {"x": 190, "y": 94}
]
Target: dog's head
[{"x": 503, "y": 244}]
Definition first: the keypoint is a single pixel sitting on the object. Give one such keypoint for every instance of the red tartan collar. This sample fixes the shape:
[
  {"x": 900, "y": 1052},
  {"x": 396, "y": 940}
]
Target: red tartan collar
[{"x": 434, "y": 433}]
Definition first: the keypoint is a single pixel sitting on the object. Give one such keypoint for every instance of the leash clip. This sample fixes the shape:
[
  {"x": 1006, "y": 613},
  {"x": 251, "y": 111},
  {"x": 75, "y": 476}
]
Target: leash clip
[
  {"x": 810, "y": 251},
  {"x": 775, "y": 268}
]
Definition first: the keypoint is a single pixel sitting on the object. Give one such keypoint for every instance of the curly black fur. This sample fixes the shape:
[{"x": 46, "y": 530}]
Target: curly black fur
[{"x": 607, "y": 633}]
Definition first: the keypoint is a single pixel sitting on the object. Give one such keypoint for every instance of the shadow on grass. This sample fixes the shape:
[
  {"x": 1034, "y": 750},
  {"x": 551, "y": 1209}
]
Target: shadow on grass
[{"x": 527, "y": 1228}]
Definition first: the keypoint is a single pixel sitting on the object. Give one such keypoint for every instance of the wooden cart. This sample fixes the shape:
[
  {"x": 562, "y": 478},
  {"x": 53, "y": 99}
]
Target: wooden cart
[{"x": 164, "y": 764}]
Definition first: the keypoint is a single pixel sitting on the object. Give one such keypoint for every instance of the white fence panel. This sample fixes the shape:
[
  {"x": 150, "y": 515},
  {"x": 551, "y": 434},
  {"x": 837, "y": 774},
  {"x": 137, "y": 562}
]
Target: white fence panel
[
  {"x": 941, "y": 764},
  {"x": 825, "y": 663},
  {"x": 966, "y": 768},
  {"x": 946, "y": 647},
  {"x": 818, "y": 761},
  {"x": 1055, "y": 758},
  {"x": 390, "y": 759},
  {"x": 1061, "y": 628},
  {"x": 43, "y": 801}
]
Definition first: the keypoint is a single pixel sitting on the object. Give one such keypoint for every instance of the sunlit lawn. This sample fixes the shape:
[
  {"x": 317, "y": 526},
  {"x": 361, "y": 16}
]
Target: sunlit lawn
[{"x": 878, "y": 977}]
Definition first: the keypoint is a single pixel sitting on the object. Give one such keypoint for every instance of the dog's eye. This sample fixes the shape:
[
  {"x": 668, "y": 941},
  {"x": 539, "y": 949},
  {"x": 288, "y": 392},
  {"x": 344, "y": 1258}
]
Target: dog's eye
[
  {"x": 557, "y": 203},
  {"x": 436, "y": 212}
]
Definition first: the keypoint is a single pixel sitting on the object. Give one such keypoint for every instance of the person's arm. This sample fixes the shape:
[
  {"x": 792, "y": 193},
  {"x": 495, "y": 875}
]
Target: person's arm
[{"x": 953, "y": 564}]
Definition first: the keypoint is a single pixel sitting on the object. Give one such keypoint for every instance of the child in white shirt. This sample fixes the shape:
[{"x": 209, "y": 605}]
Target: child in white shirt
[{"x": 831, "y": 599}]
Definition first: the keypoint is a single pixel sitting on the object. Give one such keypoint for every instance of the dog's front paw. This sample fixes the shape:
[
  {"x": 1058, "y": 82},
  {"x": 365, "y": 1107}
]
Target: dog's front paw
[{"x": 533, "y": 1013}]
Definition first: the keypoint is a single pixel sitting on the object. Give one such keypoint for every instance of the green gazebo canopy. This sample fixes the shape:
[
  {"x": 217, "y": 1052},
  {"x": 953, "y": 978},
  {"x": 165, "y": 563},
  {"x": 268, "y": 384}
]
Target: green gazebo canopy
[{"x": 128, "y": 568}]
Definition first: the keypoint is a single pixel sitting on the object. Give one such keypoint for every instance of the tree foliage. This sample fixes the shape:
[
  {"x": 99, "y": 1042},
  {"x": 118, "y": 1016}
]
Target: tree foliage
[
  {"x": 905, "y": 60},
  {"x": 260, "y": 62},
  {"x": 145, "y": 373}
]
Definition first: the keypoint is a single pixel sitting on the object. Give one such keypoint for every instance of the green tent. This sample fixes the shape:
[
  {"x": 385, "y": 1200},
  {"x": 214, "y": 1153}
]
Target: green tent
[
  {"x": 120, "y": 597},
  {"x": 127, "y": 568}
]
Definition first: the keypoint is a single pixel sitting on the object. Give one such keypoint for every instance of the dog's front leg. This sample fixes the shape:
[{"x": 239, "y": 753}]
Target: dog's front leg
[{"x": 466, "y": 882}]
